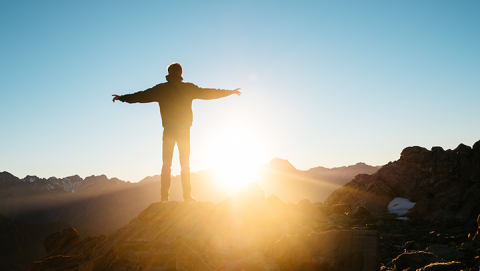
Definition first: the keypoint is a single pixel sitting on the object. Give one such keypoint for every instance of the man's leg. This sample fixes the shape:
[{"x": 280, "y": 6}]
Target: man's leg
[
  {"x": 167, "y": 149},
  {"x": 183, "y": 143}
]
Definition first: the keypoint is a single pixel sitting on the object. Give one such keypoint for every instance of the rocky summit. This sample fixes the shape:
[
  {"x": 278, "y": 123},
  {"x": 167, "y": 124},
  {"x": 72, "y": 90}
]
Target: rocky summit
[
  {"x": 352, "y": 230},
  {"x": 245, "y": 232}
]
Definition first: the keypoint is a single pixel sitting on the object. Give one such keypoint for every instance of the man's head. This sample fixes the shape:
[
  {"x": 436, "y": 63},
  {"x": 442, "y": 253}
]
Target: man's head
[{"x": 175, "y": 69}]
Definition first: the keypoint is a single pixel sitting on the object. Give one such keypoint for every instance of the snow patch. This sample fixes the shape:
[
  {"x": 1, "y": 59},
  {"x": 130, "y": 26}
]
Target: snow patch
[
  {"x": 32, "y": 179},
  {"x": 400, "y": 206}
]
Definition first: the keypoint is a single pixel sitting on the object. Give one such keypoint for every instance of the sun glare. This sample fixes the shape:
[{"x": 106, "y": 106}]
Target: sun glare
[{"x": 235, "y": 154}]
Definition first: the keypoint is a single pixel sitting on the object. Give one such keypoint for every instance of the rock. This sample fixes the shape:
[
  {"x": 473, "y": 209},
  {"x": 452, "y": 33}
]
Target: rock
[
  {"x": 58, "y": 262},
  {"x": 326, "y": 250},
  {"x": 450, "y": 266},
  {"x": 362, "y": 214},
  {"x": 61, "y": 242},
  {"x": 339, "y": 219},
  {"x": 22, "y": 243},
  {"x": 256, "y": 261},
  {"x": 408, "y": 245},
  {"x": 415, "y": 260},
  {"x": 188, "y": 259},
  {"x": 444, "y": 183},
  {"x": 240, "y": 232},
  {"x": 415, "y": 155},
  {"x": 327, "y": 210},
  {"x": 362, "y": 211},
  {"x": 275, "y": 202},
  {"x": 341, "y": 208},
  {"x": 306, "y": 207},
  {"x": 446, "y": 252},
  {"x": 476, "y": 238}
]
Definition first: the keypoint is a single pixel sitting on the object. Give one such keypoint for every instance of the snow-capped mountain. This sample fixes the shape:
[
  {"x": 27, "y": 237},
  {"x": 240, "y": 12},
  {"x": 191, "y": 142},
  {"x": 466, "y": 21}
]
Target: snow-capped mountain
[
  {"x": 86, "y": 203},
  {"x": 10, "y": 184}
]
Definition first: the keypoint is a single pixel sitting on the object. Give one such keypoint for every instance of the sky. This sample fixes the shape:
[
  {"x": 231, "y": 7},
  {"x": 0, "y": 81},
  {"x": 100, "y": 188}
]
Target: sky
[{"x": 324, "y": 83}]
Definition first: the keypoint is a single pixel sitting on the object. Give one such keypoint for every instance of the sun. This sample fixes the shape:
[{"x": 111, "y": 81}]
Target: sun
[{"x": 235, "y": 154}]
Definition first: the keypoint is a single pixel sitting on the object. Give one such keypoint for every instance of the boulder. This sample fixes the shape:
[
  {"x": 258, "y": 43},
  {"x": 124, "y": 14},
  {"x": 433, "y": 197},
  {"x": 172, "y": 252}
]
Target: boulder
[{"x": 61, "y": 242}]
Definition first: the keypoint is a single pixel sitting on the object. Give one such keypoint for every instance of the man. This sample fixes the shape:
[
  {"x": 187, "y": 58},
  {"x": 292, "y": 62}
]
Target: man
[{"x": 175, "y": 100}]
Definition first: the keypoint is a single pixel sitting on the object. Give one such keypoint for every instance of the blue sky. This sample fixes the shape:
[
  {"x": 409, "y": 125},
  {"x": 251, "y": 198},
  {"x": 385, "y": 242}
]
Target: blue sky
[{"x": 325, "y": 83}]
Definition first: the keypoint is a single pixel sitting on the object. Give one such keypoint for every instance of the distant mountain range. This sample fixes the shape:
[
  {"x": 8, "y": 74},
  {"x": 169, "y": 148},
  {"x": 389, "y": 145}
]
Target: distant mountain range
[
  {"x": 93, "y": 205},
  {"x": 290, "y": 185}
]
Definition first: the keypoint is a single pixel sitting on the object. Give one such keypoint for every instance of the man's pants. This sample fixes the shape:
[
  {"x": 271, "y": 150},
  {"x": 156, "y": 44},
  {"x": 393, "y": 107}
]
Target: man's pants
[{"x": 181, "y": 136}]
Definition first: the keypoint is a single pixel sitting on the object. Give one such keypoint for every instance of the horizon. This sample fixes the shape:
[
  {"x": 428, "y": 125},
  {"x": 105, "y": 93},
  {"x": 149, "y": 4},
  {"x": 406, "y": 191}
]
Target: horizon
[
  {"x": 323, "y": 83},
  {"x": 178, "y": 175}
]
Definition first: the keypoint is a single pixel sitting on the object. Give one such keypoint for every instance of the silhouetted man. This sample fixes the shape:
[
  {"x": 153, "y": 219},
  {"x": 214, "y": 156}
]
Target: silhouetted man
[{"x": 175, "y": 100}]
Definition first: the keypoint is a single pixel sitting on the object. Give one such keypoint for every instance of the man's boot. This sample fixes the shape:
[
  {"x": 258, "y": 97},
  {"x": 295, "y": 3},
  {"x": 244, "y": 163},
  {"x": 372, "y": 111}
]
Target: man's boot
[{"x": 187, "y": 189}]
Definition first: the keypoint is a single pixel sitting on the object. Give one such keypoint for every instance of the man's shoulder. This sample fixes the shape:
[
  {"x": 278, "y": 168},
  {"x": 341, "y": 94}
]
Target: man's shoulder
[
  {"x": 190, "y": 85},
  {"x": 164, "y": 84}
]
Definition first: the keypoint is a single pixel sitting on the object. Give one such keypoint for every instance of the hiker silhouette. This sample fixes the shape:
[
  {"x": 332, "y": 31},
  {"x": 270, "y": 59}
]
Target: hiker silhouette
[{"x": 175, "y": 100}]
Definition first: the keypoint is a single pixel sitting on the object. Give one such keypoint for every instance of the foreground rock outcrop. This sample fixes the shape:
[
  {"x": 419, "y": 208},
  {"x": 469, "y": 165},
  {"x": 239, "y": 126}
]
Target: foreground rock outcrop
[
  {"x": 350, "y": 231},
  {"x": 445, "y": 185},
  {"x": 244, "y": 232},
  {"x": 21, "y": 243}
]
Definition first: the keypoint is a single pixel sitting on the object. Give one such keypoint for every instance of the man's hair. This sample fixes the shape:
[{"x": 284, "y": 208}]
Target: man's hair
[{"x": 175, "y": 69}]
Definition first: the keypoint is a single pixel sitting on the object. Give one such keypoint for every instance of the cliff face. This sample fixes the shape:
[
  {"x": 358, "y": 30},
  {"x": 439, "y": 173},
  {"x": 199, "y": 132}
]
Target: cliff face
[{"x": 444, "y": 184}]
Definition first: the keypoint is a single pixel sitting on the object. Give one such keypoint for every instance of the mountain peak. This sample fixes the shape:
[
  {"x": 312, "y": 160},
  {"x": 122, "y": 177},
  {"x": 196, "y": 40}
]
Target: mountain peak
[{"x": 281, "y": 165}]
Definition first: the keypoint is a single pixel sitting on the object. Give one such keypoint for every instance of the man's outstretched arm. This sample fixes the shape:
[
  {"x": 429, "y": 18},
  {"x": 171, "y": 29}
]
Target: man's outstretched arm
[
  {"x": 212, "y": 93},
  {"x": 145, "y": 96}
]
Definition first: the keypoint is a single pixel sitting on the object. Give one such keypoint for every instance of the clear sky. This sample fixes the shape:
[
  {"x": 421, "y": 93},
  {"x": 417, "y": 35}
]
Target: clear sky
[{"x": 325, "y": 83}]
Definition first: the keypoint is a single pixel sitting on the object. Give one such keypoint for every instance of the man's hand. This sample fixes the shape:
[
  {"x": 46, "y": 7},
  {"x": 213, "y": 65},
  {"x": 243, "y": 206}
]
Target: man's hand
[
  {"x": 115, "y": 97},
  {"x": 235, "y": 91}
]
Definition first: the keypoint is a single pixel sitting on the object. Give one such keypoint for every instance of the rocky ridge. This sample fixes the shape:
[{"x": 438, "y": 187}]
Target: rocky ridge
[
  {"x": 443, "y": 183},
  {"x": 245, "y": 232},
  {"x": 249, "y": 232}
]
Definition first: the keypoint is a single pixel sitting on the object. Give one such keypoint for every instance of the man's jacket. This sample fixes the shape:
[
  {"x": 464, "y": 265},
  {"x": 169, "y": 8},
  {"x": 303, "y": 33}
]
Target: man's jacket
[{"x": 175, "y": 100}]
